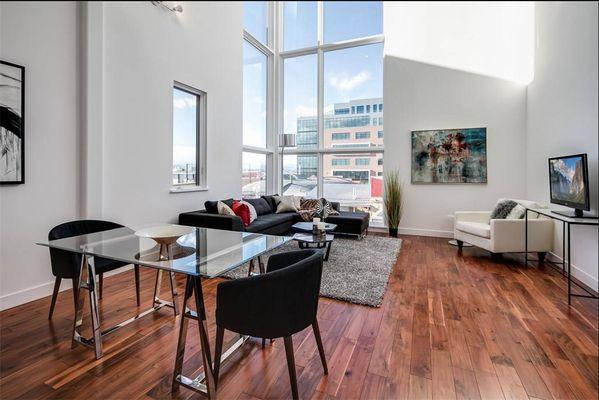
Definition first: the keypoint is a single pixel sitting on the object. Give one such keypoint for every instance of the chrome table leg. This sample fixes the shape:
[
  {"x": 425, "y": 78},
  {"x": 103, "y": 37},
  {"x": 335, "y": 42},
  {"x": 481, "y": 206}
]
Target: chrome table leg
[
  {"x": 204, "y": 383},
  {"x": 158, "y": 302},
  {"x": 79, "y": 300},
  {"x": 182, "y": 336},
  {"x": 93, "y": 303},
  {"x": 173, "y": 283},
  {"x": 87, "y": 280},
  {"x": 261, "y": 266}
]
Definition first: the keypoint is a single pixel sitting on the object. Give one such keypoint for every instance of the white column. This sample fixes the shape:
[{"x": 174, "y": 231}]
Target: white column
[{"x": 92, "y": 108}]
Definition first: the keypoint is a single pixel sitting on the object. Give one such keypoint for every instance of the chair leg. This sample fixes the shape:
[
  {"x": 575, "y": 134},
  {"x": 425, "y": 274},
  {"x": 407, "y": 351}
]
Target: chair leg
[
  {"x": 54, "y": 295},
  {"x": 136, "y": 270},
  {"x": 460, "y": 244},
  {"x": 101, "y": 285},
  {"x": 291, "y": 366},
  {"x": 218, "y": 351},
  {"x": 75, "y": 293},
  {"x": 542, "y": 256},
  {"x": 320, "y": 346},
  {"x": 263, "y": 342},
  {"x": 251, "y": 268}
]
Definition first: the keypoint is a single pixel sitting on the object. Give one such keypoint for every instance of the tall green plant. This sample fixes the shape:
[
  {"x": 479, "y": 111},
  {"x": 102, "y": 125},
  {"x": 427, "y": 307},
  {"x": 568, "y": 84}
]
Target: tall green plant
[{"x": 393, "y": 199}]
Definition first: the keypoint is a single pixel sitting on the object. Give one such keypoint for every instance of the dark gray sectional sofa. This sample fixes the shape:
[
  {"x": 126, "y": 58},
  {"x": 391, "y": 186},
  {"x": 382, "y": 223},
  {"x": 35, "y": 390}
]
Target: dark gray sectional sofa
[{"x": 268, "y": 222}]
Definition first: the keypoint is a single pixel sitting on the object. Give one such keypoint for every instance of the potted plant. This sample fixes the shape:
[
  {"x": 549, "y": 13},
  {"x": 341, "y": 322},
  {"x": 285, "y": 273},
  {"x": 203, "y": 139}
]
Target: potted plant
[{"x": 393, "y": 201}]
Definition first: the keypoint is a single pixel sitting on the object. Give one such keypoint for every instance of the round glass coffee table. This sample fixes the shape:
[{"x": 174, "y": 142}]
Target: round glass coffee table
[{"x": 308, "y": 240}]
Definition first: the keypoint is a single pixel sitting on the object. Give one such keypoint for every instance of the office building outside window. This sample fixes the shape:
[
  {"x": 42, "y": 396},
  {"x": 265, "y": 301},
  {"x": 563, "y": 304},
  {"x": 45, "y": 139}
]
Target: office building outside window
[{"x": 337, "y": 139}]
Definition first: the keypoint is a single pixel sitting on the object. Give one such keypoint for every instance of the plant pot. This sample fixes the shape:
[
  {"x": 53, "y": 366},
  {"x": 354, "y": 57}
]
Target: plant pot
[{"x": 393, "y": 232}]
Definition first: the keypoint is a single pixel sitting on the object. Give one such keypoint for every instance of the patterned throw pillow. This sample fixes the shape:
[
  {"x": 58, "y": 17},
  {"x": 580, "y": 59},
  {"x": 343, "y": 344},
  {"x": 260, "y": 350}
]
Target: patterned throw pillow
[
  {"x": 328, "y": 207},
  {"x": 503, "y": 208},
  {"x": 316, "y": 208},
  {"x": 308, "y": 204},
  {"x": 224, "y": 209},
  {"x": 307, "y": 208},
  {"x": 307, "y": 215}
]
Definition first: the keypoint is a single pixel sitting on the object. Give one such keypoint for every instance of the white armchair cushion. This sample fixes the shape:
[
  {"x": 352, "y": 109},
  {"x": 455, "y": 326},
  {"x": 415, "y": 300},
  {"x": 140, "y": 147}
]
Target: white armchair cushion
[
  {"x": 473, "y": 216},
  {"x": 474, "y": 228}
]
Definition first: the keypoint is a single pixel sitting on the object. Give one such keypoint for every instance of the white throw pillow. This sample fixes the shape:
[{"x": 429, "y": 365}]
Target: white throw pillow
[
  {"x": 516, "y": 213},
  {"x": 224, "y": 209},
  {"x": 286, "y": 204},
  {"x": 253, "y": 213}
]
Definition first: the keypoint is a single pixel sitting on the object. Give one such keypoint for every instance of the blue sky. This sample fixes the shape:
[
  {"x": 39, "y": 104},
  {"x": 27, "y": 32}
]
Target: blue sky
[{"x": 184, "y": 127}]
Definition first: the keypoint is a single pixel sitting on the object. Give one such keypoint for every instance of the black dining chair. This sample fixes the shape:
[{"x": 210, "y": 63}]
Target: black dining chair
[
  {"x": 66, "y": 264},
  {"x": 279, "y": 303}
]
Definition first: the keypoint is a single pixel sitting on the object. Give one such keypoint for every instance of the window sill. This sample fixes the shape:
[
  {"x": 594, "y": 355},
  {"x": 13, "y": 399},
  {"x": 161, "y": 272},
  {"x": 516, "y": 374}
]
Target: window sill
[{"x": 183, "y": 189}]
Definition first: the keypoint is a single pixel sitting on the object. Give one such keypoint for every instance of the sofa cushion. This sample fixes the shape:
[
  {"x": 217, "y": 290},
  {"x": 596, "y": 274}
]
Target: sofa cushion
[
  {"x": 262, "y": 207},
  {"x": 474, "y": 228},
  {"x": 350, "y": 222},
  {"x": 266, "y": 221},
  {"x": 212, "y": 208},
  {"x": 270, "y": 199}
]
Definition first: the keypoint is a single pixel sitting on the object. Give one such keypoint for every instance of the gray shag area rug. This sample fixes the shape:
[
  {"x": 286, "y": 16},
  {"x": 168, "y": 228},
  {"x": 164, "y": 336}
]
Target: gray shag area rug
[{"x": 357, "y": 270}]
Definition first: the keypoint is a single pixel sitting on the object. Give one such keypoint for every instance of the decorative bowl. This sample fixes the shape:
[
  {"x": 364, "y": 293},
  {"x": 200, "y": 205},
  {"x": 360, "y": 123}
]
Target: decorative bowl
[{"x": 165, "y": 234}]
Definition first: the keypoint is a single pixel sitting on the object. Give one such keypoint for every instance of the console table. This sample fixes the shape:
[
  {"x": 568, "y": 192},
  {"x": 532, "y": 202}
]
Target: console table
[{"x": 567, "y": 222}]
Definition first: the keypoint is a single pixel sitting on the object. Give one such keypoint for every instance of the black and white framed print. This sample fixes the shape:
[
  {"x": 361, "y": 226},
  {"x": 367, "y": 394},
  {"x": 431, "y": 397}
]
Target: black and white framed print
[{"x": 12, "y": 123}]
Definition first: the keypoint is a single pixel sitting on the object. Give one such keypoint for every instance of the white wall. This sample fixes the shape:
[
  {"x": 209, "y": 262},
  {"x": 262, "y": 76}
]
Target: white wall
[
  {"x": 562, "y": 111},
  {"x": 131, "y": 54},
  {"x": 145, "y": 50},
  {"x": 489, "y": 38},
  {"x": 421, "y": 96},
  {"x": 42, "y": 37}
]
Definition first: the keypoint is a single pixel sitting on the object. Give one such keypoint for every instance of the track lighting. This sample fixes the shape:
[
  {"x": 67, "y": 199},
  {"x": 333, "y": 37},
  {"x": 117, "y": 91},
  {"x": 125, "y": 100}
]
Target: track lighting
[{"x": 175, "y": 9}]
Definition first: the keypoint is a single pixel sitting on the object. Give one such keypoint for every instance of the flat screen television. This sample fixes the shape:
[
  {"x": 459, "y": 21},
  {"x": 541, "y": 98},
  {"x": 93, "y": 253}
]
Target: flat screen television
[{"x": 569, "y": 183}]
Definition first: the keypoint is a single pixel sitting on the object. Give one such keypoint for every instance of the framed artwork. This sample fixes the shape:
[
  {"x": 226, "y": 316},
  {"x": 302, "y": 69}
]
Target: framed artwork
[
  {"x": 449, "y": 156},
  {"x": 12, "y": 123}
]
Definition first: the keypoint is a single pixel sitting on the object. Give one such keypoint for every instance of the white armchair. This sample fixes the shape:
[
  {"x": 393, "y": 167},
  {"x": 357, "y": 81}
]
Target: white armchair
[{"x": 504, "y": 235}]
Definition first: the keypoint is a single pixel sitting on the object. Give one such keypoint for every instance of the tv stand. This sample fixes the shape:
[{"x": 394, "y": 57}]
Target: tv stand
[
  {"x": 567, "y": 222},
  {"x": 577, "y": 213}
]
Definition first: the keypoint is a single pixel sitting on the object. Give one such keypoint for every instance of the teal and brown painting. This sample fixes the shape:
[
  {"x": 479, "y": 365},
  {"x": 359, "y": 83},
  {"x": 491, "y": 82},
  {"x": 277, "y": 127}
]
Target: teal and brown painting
[{"x": 449, "y": 156}]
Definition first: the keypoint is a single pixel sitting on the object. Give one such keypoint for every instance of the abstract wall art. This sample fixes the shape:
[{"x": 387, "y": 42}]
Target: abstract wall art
[
  {"x": 449, "y": 156},
  {"x": 12, "y": 127}
]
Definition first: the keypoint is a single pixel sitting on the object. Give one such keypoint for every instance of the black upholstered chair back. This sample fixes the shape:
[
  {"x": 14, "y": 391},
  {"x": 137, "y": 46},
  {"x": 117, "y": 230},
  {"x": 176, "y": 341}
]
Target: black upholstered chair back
[
  {"x": 279, "y": 303},
  {"x": 66, "y": 264}
]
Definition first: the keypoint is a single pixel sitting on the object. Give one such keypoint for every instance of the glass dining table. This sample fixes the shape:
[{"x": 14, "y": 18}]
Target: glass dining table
[{"x": 202, "y": 253}]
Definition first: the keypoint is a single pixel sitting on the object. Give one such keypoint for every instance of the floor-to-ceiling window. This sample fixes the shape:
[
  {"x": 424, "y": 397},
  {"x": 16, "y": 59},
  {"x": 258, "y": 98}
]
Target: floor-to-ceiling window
[
  {"x": 330, "y": 73},
  {"x": 258, "y": 61}
]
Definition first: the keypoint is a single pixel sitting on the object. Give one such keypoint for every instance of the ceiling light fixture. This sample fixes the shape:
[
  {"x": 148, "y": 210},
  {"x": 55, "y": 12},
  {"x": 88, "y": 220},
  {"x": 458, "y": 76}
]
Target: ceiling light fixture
[{"x": 175, "y": 9}]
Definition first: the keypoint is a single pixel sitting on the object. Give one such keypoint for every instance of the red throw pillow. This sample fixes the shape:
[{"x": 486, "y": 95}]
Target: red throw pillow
[{"x": 242, "y": 211}]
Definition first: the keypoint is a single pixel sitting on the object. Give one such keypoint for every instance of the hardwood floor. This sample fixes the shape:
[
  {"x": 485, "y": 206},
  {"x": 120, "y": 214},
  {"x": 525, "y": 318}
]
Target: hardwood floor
[{"x": 451, "y": 326}]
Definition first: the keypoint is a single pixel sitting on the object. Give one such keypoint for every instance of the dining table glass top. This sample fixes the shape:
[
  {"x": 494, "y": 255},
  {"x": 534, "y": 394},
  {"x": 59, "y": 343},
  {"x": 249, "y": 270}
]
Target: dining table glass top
[{"x": 201, "y": 252}]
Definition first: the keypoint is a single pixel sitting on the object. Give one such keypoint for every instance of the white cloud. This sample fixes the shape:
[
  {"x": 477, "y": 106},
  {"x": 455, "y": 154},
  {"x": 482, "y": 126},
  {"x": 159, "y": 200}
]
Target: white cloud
[
  {"x": 345, "y": 82},
  {"x": 303, "y": 111},
  {"x": 184, "y": 102}
]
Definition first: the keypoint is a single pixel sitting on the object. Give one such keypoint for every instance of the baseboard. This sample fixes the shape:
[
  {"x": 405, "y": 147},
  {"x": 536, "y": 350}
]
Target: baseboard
[
  {"x": 23, "y": 296},
  {"x": 426, "y": 232},
  {"x": 579, "y": 274}
]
